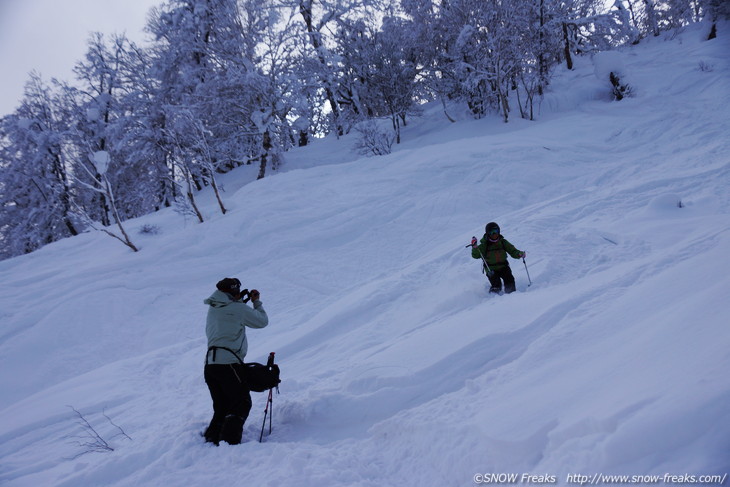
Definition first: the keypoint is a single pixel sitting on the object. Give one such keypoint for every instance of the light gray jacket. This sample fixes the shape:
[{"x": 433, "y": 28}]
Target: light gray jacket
[{"x": 226, "y": 326}]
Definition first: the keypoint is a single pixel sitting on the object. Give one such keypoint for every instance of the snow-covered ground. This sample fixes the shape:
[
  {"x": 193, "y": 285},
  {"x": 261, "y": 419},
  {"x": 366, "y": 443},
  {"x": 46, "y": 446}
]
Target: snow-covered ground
[{"x": 398, "y": 368}]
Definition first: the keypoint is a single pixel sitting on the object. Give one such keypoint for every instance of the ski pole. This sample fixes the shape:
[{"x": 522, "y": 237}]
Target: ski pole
[
  {"x": 269, "y": 401},
  {"x": 486, "y": 266},
  {"x": 528, "y": 272}
]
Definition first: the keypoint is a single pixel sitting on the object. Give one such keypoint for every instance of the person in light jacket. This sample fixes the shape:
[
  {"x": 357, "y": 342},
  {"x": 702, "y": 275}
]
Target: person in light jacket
[{"x": 228, "y": 317}]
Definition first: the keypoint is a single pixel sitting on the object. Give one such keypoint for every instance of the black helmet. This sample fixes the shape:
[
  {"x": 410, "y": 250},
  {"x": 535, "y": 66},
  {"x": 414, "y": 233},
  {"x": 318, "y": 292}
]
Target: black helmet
[{"x": 491, "y": 227}]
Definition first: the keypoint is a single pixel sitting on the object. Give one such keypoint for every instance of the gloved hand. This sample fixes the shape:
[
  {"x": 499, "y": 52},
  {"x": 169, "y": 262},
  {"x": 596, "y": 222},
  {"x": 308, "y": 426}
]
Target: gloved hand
[
  {"x": 523, "y": 255},
  {"x": 254, "y": 295},
  {"x": 474, "y": 241}
]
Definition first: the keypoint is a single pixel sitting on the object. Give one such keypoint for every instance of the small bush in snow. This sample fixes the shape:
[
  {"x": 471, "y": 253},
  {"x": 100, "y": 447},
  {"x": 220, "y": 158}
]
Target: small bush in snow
[
  {"x": 608, "y": 66},
  {"x": 373, "y": 141},
  {"x": 620, "y": 89},
  {"x": 706, "y": 68},
  {"x": 91, "y": 440},
  {"x": 148, "y": 229}
]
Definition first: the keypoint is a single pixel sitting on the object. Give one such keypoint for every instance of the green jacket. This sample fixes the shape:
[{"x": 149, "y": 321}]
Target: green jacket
[
  {"x": 495, "y": 253},
  {"x": 226, "y": 326}
]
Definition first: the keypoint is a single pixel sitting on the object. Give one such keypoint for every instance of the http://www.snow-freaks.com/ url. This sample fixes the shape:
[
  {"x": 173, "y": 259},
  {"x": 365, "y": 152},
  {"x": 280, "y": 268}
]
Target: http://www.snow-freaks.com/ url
[{"x": 599, "y": 479}]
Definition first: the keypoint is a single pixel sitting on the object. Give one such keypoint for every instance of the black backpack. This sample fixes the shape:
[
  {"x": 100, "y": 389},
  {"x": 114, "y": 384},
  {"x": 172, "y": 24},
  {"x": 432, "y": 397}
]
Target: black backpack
[
  {"x": 261, "y": 377},
  {"x": 258, "y": 377}
]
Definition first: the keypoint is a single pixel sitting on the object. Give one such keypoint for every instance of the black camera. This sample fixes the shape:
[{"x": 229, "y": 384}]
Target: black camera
[{"x": 245, "y": 295}]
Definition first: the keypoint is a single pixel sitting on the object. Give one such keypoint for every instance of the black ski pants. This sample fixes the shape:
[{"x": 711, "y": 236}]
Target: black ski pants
[
  {"x": 231, "y": 402},
  {"x": 502, "y": 274}
]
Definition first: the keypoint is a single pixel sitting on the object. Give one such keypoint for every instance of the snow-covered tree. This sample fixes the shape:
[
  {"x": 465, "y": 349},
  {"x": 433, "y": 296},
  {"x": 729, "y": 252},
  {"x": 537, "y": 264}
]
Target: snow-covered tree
[
  {"x": 196, "y": 63},
  {"x": 380, "y": 63},
  {"x": 479, "y": 52},
  {"x": 233, "y": 82},
  {"x": 715, "y": 10},
  {"x": 278, "y": 85},
  {"x": 320, "y": 20},
  {"x": 110, "y": 186},
  {"x": 205, "y": 63},
  {"x": 35, "y": 186},
  {"x": 431, "y": 29},
  {"x": 140, "y": 137},
  {"x": 317, "y": 17},
  {"x": 94, "y": 108},
  {"x": 99, "y": 183}
]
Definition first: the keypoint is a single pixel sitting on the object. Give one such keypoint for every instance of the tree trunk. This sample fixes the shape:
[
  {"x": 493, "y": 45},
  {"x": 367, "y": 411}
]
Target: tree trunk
[
  {"x": 191, "y": 195},
  {"x": 60, "y": 173},
  {"x": 118, "y": 220},
  {"x": 217, "y": 194},
  {"x": 396, "y": 127},
  {"x": 566, "y": 48},
  {"x": 265, "y": 156},
  {"x": 713, "y": 32},
  {"x": 543, "y": 65},
  {"x": 504, "y": 103}
]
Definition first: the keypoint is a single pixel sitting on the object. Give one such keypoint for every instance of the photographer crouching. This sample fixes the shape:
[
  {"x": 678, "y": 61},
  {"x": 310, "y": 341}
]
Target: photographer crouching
[{"x": 228, "y": 317}]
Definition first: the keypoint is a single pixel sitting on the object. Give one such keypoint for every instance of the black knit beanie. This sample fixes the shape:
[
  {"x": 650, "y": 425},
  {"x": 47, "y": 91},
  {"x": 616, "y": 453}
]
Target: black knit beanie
[{"x": 229, "y": 285}]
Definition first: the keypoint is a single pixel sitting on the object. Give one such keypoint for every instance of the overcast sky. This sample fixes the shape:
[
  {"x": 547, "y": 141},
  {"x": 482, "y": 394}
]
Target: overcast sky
[{"x": 50, "y": 36}]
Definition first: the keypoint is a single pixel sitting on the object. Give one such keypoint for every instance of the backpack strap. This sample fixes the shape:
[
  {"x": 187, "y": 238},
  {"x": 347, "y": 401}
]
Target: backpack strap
[
  {"x": 504, "y": 249},
  {"x": 214, "y": 348}
]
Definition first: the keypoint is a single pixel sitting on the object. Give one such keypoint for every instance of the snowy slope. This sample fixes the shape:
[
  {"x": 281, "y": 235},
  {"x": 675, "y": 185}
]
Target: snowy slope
[{"x": 398, "y": 368}]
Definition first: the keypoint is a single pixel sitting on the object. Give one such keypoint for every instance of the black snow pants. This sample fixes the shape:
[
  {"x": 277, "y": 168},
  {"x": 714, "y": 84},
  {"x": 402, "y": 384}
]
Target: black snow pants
[
  {"x": 502, "y": 274},
  {"x": 231, "y": 403}
]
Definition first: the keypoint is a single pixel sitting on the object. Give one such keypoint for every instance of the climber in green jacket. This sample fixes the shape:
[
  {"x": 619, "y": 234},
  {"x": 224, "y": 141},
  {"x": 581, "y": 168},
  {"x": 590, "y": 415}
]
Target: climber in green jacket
[{"x": 493, "y": 248}]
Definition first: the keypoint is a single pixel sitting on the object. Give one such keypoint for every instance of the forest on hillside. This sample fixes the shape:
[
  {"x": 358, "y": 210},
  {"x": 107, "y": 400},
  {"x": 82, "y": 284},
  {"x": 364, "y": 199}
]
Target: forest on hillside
[{"x": 225, "y": 83}]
